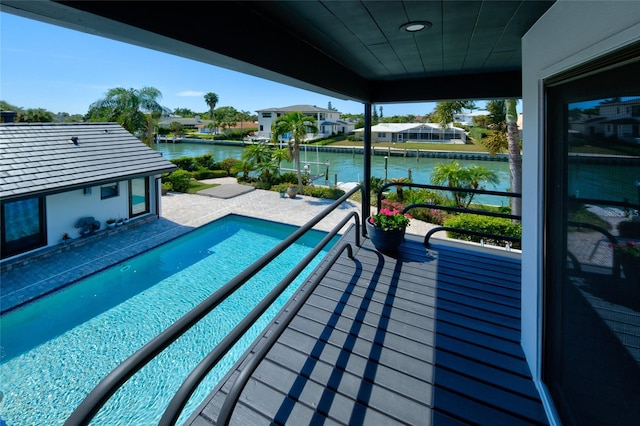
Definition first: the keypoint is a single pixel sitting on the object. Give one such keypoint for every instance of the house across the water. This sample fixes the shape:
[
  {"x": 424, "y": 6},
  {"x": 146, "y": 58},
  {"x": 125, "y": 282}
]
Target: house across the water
[
  {"x": 414, "y": 132},
  {"x": 327, "y": 120},
  {"x": 66, "y": 180}
]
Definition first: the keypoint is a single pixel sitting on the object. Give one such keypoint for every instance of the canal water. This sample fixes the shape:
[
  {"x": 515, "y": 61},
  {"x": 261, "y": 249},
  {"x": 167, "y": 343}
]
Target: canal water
[{"x": 347, "y": 167}]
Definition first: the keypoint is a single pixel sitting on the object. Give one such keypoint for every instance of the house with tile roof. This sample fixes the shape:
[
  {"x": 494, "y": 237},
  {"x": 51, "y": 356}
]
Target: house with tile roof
[
  {"x": 328, "y": 120},
  {"x": 70, "y": 178},
  {"x": 414, "y": 132}
]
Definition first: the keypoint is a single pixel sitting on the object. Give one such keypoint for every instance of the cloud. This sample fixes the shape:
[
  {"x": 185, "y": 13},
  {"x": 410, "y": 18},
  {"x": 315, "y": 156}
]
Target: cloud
[{"x": 190, "y": 93}]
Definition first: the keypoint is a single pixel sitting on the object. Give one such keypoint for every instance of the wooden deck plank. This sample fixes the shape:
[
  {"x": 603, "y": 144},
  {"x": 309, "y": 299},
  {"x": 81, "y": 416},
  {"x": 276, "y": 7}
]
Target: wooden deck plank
[{"x": 428, "y": 336}]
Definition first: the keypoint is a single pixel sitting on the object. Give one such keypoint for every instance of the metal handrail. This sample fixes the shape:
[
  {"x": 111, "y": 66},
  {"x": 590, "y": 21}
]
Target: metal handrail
[
  {"x": 241, "y": 381},
  {"x": 456, "y": 209},
  {"x": 92, "y": 403},
  {"x": 444, "y": 188},
  {"x": 181, "y": 397},
  {"x": 469, "y": 232}
]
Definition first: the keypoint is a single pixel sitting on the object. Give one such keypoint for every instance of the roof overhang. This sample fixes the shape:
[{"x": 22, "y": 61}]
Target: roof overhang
[{"x": 348, "y": 50}]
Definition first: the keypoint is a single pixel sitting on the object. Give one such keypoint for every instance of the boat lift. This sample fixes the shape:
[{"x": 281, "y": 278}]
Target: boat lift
[{"x": 321, "y": 168}]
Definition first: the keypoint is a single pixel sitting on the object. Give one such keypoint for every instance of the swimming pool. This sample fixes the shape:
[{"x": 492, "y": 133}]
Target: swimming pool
[{"x": 56, "y": 349}]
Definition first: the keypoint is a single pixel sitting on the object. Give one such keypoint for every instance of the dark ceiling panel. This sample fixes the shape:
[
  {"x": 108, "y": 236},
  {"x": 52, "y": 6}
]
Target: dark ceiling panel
[{"x": 348, "y": 49}]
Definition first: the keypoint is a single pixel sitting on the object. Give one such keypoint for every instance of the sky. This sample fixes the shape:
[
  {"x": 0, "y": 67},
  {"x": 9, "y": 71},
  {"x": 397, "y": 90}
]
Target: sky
[{"x": 62, "y": 70}]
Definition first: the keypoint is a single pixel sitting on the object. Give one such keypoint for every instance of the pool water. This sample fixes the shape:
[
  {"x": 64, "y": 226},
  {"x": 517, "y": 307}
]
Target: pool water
[{"x": 56, "y": 349}]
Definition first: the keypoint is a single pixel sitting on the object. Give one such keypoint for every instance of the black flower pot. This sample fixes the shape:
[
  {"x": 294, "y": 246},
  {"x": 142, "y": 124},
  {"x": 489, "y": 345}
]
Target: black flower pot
[{"x": 384, "y": 240}]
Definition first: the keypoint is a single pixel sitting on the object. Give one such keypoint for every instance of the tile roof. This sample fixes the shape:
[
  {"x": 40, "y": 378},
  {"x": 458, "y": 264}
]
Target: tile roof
[{"x": 43, "y": 158}]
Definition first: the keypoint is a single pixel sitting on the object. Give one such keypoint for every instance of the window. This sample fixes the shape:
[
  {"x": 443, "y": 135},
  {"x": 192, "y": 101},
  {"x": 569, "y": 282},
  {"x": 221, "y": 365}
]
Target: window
[
  {"x": 23, "y": 226},
  {"x": 266, "y": 115},
  {"x": 109, "y": 191},
  {"x": 261, "y": 127},
  {"x": 382, "y": 135},
  {"x": 138, "y": 196},
  {"x": 592, "y": 199}
]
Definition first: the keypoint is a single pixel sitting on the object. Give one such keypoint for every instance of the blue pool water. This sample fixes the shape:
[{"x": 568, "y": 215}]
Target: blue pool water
[{"x": 56, "y": 349}]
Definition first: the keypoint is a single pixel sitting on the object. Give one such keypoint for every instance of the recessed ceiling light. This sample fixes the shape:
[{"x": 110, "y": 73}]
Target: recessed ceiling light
[{"x": 415, "y": 26}]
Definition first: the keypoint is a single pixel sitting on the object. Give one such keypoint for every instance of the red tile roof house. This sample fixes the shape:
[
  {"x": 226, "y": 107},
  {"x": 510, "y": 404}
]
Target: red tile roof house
[{"x": 66, "y": 180}]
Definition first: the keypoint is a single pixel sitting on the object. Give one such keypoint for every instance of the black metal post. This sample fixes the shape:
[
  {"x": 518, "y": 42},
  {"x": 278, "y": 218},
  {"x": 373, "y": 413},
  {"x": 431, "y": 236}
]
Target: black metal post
[{"x": 366, "y": 185}]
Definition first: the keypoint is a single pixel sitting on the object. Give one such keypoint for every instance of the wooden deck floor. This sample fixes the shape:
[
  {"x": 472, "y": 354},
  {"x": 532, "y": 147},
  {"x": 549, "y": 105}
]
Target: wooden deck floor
[{"x": 422, "y": 337}]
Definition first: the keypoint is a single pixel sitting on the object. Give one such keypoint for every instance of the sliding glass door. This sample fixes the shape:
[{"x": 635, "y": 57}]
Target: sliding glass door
[
  {"x": 591, "y": 362},
  {"x": 138, "y": 196}
]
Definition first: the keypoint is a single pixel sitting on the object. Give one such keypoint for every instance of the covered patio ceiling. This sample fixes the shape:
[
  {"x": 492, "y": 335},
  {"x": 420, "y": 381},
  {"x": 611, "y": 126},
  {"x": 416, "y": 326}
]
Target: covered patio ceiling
[{"x": 356, "y": 50}]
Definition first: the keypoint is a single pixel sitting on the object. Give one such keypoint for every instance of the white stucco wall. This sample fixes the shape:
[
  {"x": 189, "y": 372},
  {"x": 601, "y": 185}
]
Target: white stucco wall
[
  {"x": 569, "y": 34},
  {"x": 64, "y": 210}
]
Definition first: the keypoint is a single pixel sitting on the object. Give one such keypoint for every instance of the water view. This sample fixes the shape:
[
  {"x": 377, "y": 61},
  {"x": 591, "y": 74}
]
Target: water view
[
  {"x": 348, "y": 167},
  {"x": 594, "y": 180}
]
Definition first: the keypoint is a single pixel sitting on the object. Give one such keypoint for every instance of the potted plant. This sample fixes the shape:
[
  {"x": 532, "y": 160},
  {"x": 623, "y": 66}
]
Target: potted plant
[
  {"x": 119, "y": 222},
  {"x": 387, "y": 227},
  {"x": 111, "y": 223},
  {"x": 65, "y": 238},
  {"x": 292, "y": 191}
]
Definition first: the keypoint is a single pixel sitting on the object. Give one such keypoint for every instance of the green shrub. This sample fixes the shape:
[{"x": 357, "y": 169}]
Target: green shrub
[
  {"x": 281, "y": 187},
  {"x": 260, "y": 184},
  {"x": 227, "y": 164},
  {"x": 492, "y": 225},
  {"x": 435, "y": 216},
  {"x": 323, "y": 192},
  {"x": 203, "y": 173},
  {"x": 179, "y": 180},
  {"x": 219, "y": 173},
  {"x": 291, "y": 177},
  {"x": 185, "y": 163},
  {"x": 204, "y": 161}
]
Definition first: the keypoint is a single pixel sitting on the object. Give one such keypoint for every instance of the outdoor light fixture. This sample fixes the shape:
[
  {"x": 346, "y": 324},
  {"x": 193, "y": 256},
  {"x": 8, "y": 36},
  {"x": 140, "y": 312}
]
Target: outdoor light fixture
[{"x": 415, "y": 26}]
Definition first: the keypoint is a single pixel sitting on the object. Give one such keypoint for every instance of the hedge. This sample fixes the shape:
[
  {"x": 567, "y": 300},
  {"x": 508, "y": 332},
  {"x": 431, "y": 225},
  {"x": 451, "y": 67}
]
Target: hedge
[
  {"x": 203, "y": 173},
  {"x": 179, "y": 180},
  {"x": 492, "y": 225},
  {"x": 204, "y": 161},
  {"x": 185, "y": 163},
  {"x": 323, "y": 192}
]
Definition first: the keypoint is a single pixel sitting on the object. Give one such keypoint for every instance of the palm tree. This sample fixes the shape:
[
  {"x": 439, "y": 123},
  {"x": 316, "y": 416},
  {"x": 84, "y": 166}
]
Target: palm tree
[
  {"x": 454, "y": 175},
  {"x": 445, "y": 111},
  {"x": 504, "y": 114},
  {"x": 243, "y": 116},
  {"x": 515, "y": 158},
  {"x": 279, "y": 155},
  {"x": 211, "y": 100},
  {"x": 297, "y": 126},
  {"x": 130, "y": 108},
  {"x": 260, "y": 155}
]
